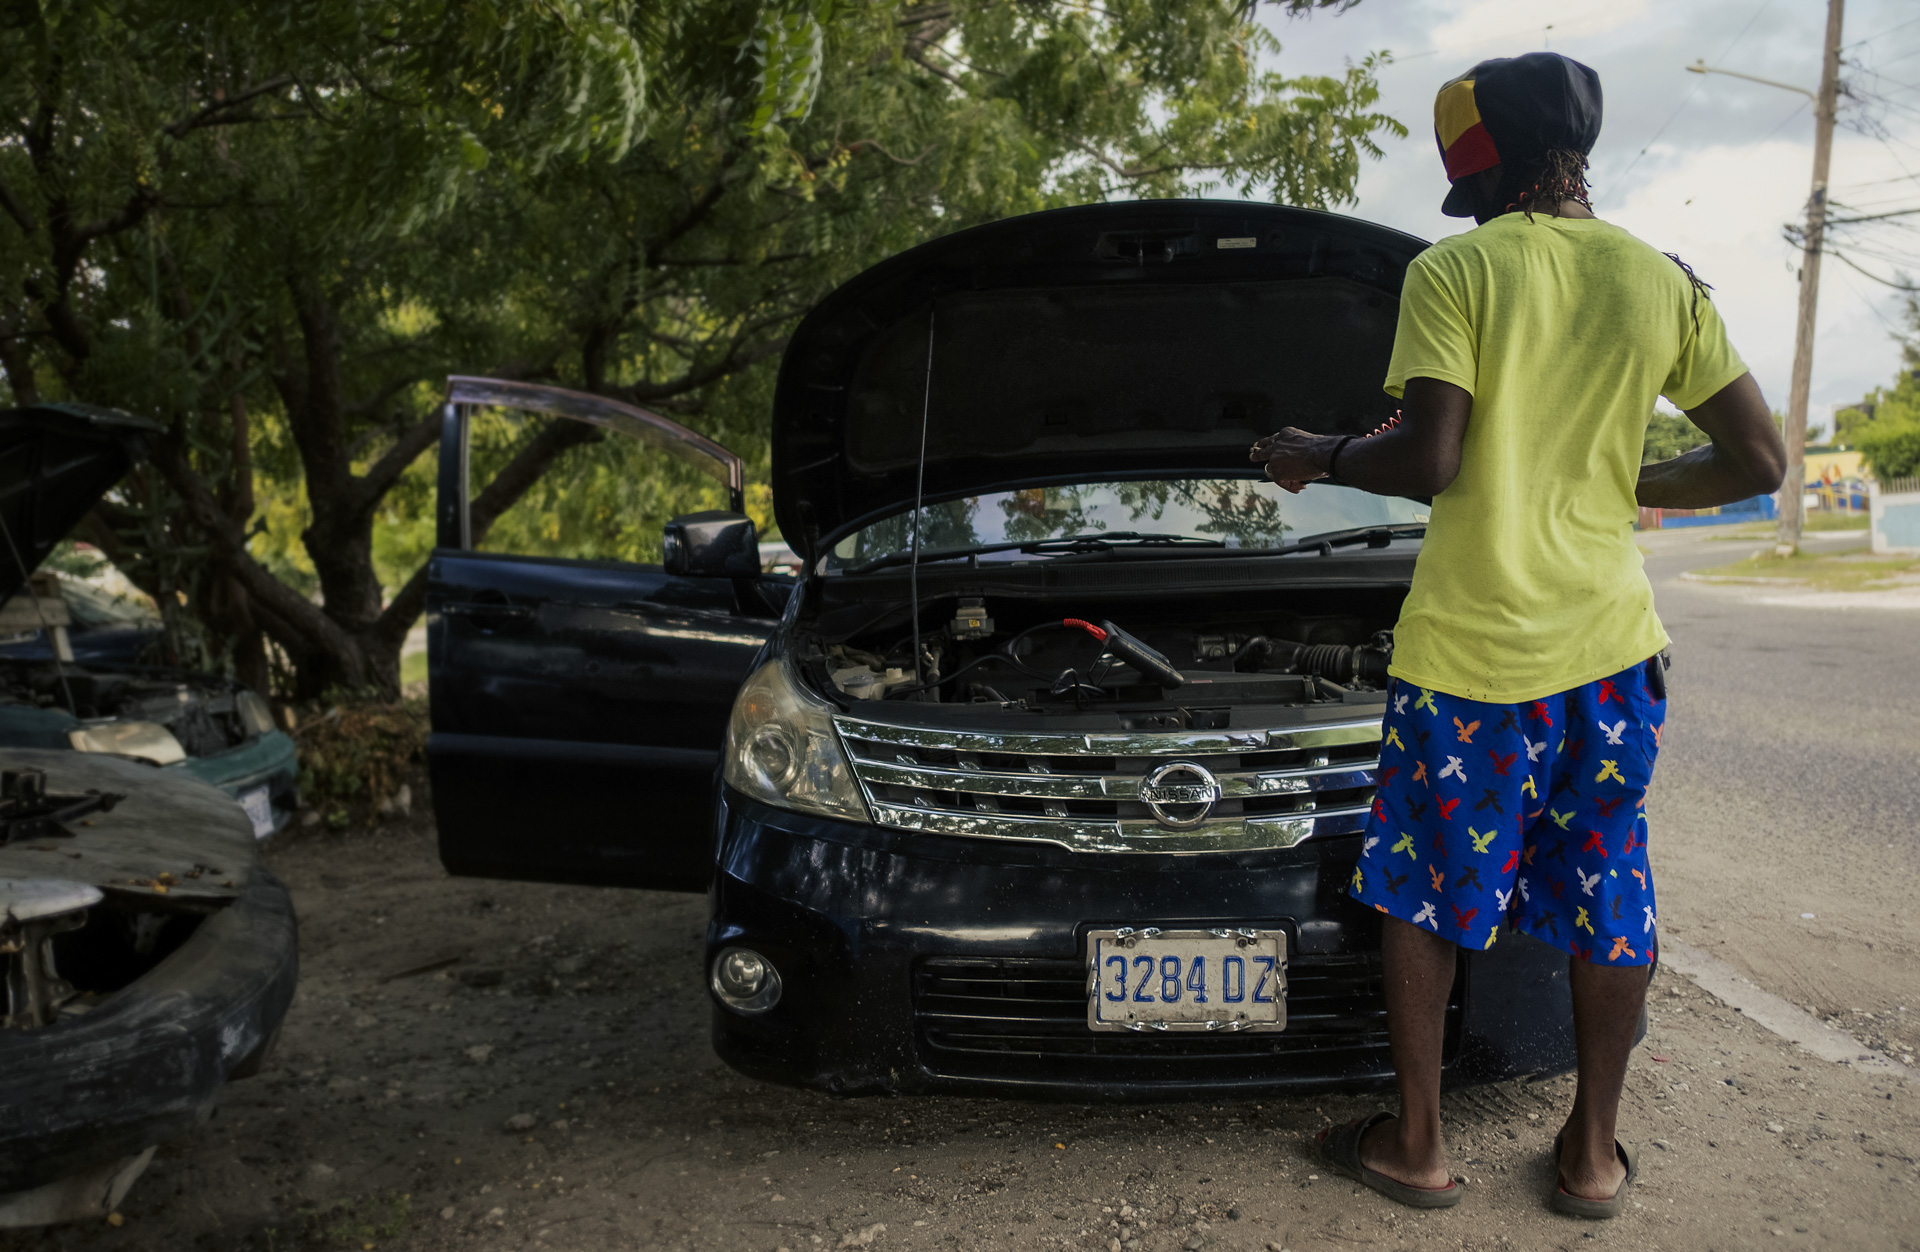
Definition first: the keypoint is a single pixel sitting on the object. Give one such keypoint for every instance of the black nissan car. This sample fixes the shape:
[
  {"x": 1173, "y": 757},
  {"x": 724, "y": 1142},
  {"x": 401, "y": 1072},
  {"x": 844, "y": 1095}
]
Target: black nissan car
[{"x": 1048, "y": 775}]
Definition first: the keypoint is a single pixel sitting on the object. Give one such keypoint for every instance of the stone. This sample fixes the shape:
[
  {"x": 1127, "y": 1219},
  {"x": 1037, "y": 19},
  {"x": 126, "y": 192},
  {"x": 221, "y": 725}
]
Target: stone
[{"x": 522, "y": 1121}]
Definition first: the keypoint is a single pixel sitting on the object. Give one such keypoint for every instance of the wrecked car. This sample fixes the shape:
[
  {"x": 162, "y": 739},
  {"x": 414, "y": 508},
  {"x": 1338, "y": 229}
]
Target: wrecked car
[
  {"x": 149, "y": 959},
  {"x": 1048, "y": 774},
  {"x": 56, "y": 461}
]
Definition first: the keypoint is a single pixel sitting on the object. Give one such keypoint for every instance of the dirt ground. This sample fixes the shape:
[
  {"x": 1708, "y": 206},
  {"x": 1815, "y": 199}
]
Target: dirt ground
[{"x": 552, "y": 1088}]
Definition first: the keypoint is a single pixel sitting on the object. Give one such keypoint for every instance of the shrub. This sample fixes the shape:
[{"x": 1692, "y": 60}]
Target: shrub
[
  {"x": 356, "y": 754},
  {"x": 1892, "y": 451}
]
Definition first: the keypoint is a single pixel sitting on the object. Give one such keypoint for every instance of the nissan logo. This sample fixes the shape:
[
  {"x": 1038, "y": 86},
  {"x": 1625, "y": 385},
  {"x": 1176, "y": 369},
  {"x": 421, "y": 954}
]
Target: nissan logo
[{"x": 1179, "y": 794}]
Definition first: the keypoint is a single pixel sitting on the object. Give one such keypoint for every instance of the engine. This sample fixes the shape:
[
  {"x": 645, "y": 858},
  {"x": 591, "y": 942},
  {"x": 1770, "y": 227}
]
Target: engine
[{"x": 1047, "y": 663}]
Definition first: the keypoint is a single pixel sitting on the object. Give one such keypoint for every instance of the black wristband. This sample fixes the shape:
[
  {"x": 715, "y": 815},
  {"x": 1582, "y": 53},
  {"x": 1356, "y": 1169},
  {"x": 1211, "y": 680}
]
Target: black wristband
[{"x": 1335, "y": 458}]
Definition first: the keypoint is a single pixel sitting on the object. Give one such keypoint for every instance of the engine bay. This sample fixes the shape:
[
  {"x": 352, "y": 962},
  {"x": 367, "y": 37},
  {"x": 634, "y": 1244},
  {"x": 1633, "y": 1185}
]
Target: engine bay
[
  {"x": 207, "y": 716},
  {"x": 1158, "y": 665}
]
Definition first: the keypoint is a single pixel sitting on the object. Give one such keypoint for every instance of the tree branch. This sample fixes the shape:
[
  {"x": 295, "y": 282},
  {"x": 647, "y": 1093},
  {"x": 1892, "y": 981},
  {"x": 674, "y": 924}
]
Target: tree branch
[
  {"x": 128, "y": 216},
  {"x": 185, "y": 124},
  {"x": 881, "y": 148},
  {"x": 935, "y": 70},
  {"x": 16, "y": 210},
  {"x": 383, "y": 473},
  {"x": 230, "y": 543},
  {"x": 512, "y": 482},
  {"x": 738, "y": 357}
]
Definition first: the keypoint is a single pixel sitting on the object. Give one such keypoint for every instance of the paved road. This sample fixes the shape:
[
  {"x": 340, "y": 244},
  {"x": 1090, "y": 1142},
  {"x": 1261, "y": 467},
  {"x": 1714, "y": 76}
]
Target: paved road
[{"x": 1789, "y": 783}]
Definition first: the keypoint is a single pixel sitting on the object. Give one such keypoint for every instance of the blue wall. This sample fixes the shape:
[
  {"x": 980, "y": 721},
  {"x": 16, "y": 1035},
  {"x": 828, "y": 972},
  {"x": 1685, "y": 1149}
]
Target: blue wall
[{"x": 1757, "y": 509}]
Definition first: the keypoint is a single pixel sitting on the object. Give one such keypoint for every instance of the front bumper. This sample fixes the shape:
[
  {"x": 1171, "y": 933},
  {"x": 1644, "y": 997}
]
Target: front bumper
[
  {"x": 924, "y": 963},
  {"x": 270, "y": 760},
  {"x": 146, "y": 1063}
]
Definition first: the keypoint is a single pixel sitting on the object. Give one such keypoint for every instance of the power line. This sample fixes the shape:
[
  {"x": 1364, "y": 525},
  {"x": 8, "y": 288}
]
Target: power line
[
  {"x": 1884, "y": 282},
  {"x": 1874, "y": 308},
  {"x": 1798, "y": 109},
  {"x": 1888, "y": 31},
  {"x": 1621, "y": 177}
]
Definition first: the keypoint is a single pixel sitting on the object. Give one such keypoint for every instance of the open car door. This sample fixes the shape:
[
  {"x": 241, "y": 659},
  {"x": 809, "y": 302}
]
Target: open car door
[{"x": 578, "y": 705}]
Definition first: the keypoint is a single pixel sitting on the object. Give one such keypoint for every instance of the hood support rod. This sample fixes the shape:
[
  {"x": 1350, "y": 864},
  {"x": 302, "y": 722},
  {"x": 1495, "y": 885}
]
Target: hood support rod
[{"x": 919, "y": 496}]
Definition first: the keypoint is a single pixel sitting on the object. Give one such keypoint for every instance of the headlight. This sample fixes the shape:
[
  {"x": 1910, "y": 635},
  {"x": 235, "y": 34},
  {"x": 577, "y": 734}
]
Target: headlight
[
  {"x": 255, "y": 713},
  {"x": 149, "y": 741},
  {"x": 782, "y": 749}
]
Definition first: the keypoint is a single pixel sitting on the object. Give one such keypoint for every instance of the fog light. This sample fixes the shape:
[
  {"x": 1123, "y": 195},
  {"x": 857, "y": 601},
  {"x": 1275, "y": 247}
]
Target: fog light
[{"x": 745, "y": 981}]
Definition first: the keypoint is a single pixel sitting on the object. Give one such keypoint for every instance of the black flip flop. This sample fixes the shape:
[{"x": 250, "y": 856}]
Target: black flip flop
[
  {"x": 1339, "y": 1150},
  {"x": 1564, "y": 1201}
]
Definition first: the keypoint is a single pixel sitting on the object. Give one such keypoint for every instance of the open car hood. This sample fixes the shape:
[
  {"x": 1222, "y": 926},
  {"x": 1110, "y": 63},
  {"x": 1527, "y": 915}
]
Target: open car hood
[
  {"x": 56, "y": 460},
  {"x": 1121, "y": 340}
]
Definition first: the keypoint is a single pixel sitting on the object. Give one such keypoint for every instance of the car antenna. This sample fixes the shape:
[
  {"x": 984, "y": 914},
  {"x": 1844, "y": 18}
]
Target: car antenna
[
  {"x": 919, "y": 494},
  {"x": 26, "y": 576}
]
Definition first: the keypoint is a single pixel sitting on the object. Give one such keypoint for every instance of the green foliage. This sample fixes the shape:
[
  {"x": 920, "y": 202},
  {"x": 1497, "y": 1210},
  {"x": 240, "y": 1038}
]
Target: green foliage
[
  {"x": 1892, "y": 450},
  {"x": 1888, "y": 433},
  {"x": 277, "y": 227},
  {"x": 358, "y": 1222},
  {"x": 1668, "y": 435}
]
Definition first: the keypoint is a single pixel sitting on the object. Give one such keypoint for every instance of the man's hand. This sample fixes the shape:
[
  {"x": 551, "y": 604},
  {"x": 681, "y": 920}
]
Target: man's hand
[
  {"x": 1418, "y": 456},
  {"x": 1295, "y": 457}
]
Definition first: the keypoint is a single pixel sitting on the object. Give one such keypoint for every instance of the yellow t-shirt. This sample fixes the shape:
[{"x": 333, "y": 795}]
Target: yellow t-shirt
[{"x": 1565, "y": 330}]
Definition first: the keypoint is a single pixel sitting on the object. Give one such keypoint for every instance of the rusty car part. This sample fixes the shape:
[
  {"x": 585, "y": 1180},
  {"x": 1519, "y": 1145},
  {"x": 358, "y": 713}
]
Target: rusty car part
[
  {"x": 33, "y": 911},
  {"x": 29, "y": 811}
]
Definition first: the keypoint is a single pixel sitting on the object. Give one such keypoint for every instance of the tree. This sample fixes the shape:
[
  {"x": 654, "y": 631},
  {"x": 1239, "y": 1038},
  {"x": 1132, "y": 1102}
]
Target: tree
[
  {"x": 1886, "y": 426},
  {"x": 1668, "y": 435},
  {"x": 277, "y": 227}
]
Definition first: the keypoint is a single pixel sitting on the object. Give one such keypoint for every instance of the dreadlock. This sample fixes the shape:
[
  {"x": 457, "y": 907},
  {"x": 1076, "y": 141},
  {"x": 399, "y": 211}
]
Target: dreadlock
[
  {"x": 1560, "y": 175},
  {"x": 1700, "y": 286}
]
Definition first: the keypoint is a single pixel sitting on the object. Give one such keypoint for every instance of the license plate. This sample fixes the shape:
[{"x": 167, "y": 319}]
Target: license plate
[
  {"x": 259, "y": 809},
  {"x": 1148, "y": 979}
]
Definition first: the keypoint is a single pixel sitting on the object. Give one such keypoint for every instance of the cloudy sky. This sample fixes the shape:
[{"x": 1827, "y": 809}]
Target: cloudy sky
[{"x": 1705, "y": 166}]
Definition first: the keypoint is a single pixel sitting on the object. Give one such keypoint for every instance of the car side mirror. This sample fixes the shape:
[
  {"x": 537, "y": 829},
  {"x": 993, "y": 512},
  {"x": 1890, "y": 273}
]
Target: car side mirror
[{"x": 714, "y": 544}]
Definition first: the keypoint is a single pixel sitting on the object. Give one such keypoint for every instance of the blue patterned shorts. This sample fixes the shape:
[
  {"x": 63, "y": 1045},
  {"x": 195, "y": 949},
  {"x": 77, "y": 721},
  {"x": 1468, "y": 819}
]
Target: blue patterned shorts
[{"x": 1533, "y": 814}]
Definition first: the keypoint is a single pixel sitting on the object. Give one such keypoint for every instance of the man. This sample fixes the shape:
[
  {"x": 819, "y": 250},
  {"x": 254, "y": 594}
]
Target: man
[{"x": 1528, "y": 691}]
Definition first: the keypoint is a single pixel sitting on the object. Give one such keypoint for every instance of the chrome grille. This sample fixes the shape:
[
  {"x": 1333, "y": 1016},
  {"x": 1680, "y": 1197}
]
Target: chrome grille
[{"x": 1083, "y": 791}]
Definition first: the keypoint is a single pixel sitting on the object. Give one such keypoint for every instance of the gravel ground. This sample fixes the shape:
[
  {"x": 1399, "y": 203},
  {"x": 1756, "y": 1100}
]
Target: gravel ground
[{"x": 553, "y": 1088}]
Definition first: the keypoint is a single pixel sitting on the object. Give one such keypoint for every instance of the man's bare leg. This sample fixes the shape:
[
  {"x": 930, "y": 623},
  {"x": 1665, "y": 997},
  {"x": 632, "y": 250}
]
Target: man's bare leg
[
  {"x": 1606, "y": 1012},
  {"x": 1419, "y": 970}
]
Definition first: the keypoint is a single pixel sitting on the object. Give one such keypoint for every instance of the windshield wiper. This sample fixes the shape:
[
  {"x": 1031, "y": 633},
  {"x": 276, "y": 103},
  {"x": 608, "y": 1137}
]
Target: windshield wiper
[
  {"x": 1372, "y": 536},
  {"x": 1102, "y": 542},
  {"x": 1092, "y": 542}
]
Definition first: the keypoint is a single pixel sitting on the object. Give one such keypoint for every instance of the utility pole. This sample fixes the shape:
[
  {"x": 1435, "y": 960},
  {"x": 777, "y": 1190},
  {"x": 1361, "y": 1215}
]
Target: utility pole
[{"x": 1793, "y": 490}]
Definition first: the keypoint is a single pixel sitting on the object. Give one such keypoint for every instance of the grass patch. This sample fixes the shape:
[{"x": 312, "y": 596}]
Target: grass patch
[
  {"x": 360, "y": 1222},
  {"x": 1845, "y": 572},
  {"x": 413, "y": 668}
]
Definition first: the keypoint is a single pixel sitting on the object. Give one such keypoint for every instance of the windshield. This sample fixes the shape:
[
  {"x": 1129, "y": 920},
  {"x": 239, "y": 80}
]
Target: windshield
[{"x": 1235, "y": 512}]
